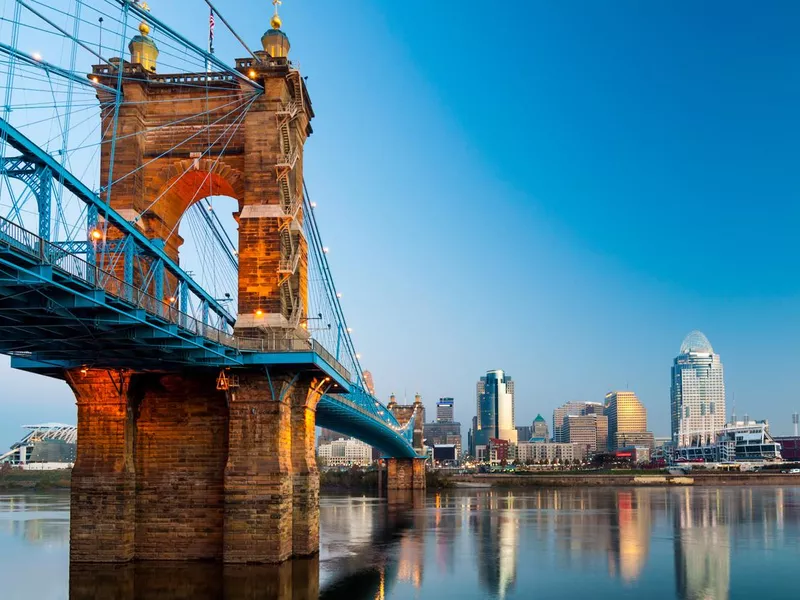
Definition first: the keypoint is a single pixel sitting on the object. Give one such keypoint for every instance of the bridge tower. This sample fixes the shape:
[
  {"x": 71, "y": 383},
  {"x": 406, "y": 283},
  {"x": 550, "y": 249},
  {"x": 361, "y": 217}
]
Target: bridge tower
[
  {"x": 408, "y": 473},
  {"x": 174, "y": 465}
]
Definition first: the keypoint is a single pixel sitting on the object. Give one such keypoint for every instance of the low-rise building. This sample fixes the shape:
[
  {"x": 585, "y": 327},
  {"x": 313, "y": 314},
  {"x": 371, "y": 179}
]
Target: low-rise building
[
  {"x": 634, "y": 438},
  {"x": 345, "y": 453},
  {"x": 499, "y": 451},
  {"x": 540, "y": 452}
]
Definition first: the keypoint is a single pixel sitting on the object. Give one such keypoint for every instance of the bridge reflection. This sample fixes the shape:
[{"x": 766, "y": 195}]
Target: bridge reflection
[{"x": 387, "y": 536}]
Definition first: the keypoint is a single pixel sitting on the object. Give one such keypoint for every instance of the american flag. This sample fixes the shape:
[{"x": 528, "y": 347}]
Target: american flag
[{"x": 211, "y": 24}]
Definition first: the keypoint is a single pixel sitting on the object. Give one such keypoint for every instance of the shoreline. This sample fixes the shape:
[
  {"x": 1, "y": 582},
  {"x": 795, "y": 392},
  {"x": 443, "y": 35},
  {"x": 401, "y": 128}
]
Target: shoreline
[
  {"x": 575, "y": 480},
  {"x": 15, "y": 480}
]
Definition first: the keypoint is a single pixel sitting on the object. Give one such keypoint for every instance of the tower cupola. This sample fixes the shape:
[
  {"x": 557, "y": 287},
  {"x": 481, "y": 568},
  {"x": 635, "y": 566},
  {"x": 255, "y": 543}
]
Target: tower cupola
[
  {"x": 274, "y": 41},
  {"x": 142, "y": 47}
]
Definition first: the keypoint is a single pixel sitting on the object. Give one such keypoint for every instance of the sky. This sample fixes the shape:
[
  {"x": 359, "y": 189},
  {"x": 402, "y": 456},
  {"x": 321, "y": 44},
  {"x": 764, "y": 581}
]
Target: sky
[{"x": 562, "y": 190}]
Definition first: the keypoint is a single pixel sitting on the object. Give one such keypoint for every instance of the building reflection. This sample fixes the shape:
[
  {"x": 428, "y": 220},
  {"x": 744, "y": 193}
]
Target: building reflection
[
  {"x": 702, "y": 544},
  {"x": 42, "y": 519},
  {"x": 630, "y": 539},
  {"x": 495, "y": 529}
]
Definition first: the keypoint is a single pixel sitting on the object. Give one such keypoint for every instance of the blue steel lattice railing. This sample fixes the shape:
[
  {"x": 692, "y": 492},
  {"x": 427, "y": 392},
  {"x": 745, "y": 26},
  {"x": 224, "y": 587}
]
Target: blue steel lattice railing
[{"x": 49, "y": 254}]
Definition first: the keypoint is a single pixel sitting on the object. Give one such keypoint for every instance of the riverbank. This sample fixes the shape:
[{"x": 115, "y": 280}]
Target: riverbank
[
  {"x": 367, "y": 481},
  {"x": 35, "y": 480},
  {"x": 577, "y": 479}
]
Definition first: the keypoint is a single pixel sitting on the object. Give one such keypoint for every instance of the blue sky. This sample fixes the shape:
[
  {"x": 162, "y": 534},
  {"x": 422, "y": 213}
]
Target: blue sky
[{"x": 559, "y": 189}]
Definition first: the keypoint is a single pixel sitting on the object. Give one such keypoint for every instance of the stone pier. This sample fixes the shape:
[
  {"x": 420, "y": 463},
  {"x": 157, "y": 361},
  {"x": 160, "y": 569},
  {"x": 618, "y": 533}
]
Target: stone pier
[
  {"x": 405, "y": 474},
  {"x": 170, "y": 468}
]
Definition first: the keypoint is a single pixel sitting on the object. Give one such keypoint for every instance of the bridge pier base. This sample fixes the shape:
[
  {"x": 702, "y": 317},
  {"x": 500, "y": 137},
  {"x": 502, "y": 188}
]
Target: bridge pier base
[
  {"x": 258, "y": 476},
  {"x": 305, "y": 485},
  {"x": 170, "y": 468},
  {"x": 103, "y": 494},
  {"x": 405, "y": 474}
]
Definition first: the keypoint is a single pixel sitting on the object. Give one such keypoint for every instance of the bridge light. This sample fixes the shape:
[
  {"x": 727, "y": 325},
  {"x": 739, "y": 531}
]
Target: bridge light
[
  {"x": 349, "y": 330},
  {"x": 259, "y": 312},
  {"x": 325, "y": 249},
  {"x": 313, "y": 205},
  {"x": 94, "y": 79},
  {"x": 327, "y": 379},
  {"x": 96, "y": 234},
  {"x": 338, "y": 294},
  {"x": 172, "y": 299},
  {"x": 252, "y": 73},
  {"x": 37, "y": 56},
  {"x": 84, "y": 370},
  {"x": 358, "y": 356}
]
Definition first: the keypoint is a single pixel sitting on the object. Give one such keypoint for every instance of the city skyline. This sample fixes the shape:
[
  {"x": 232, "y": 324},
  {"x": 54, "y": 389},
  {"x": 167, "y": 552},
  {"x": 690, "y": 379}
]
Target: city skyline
[{"x": 565, "y": 178}]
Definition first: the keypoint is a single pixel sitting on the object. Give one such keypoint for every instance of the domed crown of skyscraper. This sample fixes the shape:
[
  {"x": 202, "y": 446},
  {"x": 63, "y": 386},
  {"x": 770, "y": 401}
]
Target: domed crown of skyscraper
[
  {"x": 274, "y": 41},
  {"x": 696, "y": 341}
]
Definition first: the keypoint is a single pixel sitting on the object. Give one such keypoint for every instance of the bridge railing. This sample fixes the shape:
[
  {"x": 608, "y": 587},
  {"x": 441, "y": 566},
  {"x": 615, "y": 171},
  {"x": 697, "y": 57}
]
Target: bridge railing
[
  {"x": 286, "y": 341},
  {"x": 49, "y": 254}
]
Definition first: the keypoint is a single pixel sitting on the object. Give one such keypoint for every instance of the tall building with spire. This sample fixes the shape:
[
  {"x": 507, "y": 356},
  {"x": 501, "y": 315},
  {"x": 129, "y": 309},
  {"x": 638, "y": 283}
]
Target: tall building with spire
[{"x": 697, "y": 393}]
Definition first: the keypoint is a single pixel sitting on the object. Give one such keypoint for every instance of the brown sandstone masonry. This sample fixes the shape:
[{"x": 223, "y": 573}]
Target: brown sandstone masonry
[
  {"x": 258, "y": 479},
  {"x": 102, "y": 501}
]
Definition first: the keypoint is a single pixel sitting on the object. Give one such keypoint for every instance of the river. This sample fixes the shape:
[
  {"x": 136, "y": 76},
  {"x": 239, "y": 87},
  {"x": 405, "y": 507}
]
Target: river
[{"x": 687, "y": 543}]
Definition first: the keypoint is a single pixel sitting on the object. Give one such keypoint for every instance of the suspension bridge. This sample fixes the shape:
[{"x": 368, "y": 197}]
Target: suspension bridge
[{"x": 202, "y": 349}]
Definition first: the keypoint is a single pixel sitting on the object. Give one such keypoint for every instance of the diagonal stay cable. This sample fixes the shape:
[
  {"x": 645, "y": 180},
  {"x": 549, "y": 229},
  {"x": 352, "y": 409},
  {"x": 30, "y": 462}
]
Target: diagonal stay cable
[{"x": 206, "y": 151}]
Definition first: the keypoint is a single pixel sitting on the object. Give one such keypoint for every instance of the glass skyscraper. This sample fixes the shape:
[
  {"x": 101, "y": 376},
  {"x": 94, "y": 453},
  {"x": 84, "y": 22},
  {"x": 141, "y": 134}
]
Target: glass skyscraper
[
  {"x": 626, "y": 415},
  {"x": 495, "y": 408},
  {"x": 698, "y": 393}
]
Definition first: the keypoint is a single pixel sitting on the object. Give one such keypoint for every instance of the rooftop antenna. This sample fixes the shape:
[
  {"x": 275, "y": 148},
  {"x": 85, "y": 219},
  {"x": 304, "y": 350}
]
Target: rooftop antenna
[
  {"x": 733, "y": 414},
  {"x": 795, "y": 422}
]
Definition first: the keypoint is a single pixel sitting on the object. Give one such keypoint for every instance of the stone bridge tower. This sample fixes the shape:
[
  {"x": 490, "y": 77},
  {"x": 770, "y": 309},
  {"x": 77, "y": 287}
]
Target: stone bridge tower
[
  {"x": 168, "y": 465},
  {"x": 183, "y": 138}
]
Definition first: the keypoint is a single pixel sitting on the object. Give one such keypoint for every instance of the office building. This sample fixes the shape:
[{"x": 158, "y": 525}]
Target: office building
[
  {"x": 589, "y": 431},
  {"x": 326, "y": 436},
  {"x": 571, "y": 408},
  {"x": 440, "y": 433},
  {"x": 627, "y": 420},
  {"x": 697, "y": 393},
  {"x": 345, "y": 453},
  {"x": 444, "y": 410},
  {"x": 524, "y": 432},
  {"x": 471, "y": 437},
  {"x": 540, "y": 431},
  {"x": 495, "y": 408}
]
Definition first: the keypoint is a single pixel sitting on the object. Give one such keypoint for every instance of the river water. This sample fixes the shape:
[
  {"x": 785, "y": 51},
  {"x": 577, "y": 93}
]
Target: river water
[{"x": 688, "y": 543}]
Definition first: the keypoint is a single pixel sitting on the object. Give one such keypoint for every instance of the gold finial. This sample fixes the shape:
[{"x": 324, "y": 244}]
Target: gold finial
[
  {"x": 144, "y": 28},
  {"x": 275, "y": 21}
]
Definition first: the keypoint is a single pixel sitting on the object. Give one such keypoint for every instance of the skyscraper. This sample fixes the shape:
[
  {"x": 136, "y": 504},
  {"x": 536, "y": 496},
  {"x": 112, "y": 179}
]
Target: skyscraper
[
  {"x": 572, "y": 408},
  {"x": 495, "y": 408},
  {"x": 590, "y": 431},
  {"x": 698, "y": 393},
  {"x": 444, "y": 410},
  {"x": 626, "y": 415}
]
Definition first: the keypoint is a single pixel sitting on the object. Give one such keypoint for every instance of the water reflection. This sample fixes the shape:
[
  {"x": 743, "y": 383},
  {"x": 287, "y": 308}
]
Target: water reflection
[{"x": 686, "y": 543}]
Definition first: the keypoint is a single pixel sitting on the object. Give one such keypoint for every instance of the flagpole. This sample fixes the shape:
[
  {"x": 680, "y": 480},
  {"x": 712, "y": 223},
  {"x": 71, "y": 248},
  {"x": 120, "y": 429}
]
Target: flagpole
[{"x": 210, "y": 38}]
